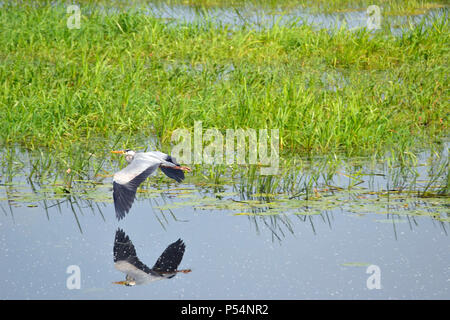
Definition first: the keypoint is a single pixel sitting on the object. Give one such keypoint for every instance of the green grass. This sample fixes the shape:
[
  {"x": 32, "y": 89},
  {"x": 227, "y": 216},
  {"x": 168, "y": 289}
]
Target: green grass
[{"x": 127, "y": 78}]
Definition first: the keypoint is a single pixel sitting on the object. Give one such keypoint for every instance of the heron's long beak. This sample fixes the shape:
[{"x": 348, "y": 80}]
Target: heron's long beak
[
  {"x": 121, "y": 282},
  {"x": 118, "y": 151}
]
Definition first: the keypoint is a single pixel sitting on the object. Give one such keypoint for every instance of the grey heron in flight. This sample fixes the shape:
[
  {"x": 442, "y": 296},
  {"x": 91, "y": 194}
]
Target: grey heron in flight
[
  {"x": 137, "y": 273},
  {"x": 141, "y": 165}
]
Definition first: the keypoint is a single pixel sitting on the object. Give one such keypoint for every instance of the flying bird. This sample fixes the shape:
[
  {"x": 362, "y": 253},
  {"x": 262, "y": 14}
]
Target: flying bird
[
  {"x": 141, "y": 165},
  {"x": 125, "y": 260}
]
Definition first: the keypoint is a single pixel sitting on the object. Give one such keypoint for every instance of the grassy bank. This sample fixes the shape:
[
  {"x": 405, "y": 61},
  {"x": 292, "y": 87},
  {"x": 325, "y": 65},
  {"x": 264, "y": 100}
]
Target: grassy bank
[{"x": 125, "y": 77}]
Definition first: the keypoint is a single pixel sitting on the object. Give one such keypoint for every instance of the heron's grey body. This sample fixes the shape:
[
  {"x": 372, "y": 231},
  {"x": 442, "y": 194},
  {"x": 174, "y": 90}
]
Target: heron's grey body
[
  {"x": 137, "y": 273},
  {"x": 141, "y": 165}
]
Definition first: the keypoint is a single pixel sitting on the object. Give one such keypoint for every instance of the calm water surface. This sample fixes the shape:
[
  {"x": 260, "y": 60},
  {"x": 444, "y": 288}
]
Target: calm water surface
[{"x": 233, "y": 255}]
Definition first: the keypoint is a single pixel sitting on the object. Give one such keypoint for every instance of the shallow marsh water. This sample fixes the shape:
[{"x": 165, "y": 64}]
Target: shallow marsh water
[
  {"x": 315, "y": 244},
  {"x": 257, "y": 17}
]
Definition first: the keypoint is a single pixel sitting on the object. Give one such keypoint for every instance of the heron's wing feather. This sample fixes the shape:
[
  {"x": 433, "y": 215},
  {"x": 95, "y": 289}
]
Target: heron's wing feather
[
  {"x": 132, "y": 174},
  {"x": 123, "y": 199},
  {"x": 171, "y": 258},
  {"x": 126, "y": 182},
  {"x": 124, "y": 252},
  {"x": 176, "y": 174}
]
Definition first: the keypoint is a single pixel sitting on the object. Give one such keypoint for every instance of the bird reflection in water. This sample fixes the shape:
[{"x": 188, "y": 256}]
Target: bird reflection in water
[{"x": 138, "y": 273}]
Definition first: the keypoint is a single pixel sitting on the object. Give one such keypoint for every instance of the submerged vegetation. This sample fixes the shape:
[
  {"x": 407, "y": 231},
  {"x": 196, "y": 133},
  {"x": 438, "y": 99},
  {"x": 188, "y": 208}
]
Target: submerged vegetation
[{"x": 313, "y": 191}]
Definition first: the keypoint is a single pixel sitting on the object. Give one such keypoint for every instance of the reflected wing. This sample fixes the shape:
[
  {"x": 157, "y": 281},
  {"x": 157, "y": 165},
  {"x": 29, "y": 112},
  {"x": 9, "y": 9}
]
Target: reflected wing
[
  {"x": 171, "y": 258},
  {"x": 176, "y": 174},
  {"x": 126, "y": 182},
  {"x": 125, "y": 258}
]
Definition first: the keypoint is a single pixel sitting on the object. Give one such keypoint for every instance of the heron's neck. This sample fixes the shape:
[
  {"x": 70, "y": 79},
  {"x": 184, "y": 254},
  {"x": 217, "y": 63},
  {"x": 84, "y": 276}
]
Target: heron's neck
[{"x": 129, "y": 158}]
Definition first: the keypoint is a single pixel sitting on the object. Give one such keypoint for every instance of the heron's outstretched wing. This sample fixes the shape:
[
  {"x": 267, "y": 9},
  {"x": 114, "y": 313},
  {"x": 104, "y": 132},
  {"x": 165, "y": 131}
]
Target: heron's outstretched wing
[
  {"x": 176, "y": 174},
  {"x": 171, "y": 258},
  {"x": 125, "y": 255},
  {"x": 126, "y": 182}
]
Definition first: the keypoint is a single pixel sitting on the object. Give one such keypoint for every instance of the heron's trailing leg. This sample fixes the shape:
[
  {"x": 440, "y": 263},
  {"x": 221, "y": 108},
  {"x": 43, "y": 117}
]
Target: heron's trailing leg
[
  {"x": 184, "y": 270},
  {"x": 183, "y": 168},
  {"x": 178, "y": 271}
]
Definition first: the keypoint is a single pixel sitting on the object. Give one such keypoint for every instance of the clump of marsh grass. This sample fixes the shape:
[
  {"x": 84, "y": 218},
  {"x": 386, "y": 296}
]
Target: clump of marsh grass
[{"x": 132, "y": 75}]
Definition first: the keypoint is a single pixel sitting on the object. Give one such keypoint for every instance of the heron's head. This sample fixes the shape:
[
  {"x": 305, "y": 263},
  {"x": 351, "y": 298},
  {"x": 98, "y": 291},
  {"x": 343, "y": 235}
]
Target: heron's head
[
  {"x": 129, "y": 154},
  {"x": 128, "y": 283}
]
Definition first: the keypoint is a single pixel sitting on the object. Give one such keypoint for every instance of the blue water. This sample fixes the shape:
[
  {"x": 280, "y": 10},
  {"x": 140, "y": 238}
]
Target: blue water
[{"x": 232, "y": 257}]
